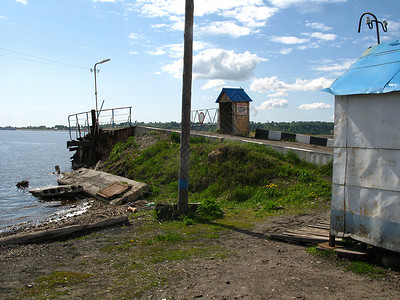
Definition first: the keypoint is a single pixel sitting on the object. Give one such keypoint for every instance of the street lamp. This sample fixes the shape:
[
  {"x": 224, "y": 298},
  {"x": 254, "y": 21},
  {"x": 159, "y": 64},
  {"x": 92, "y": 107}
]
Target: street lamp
[
  {"x": 370, "y": 24},
  {"x": 95, "y": 82}
]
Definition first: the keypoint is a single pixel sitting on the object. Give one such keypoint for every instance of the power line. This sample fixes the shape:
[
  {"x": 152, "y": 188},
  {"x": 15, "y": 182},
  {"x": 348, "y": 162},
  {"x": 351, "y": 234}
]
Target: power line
[{"x": 45, "y": 61}]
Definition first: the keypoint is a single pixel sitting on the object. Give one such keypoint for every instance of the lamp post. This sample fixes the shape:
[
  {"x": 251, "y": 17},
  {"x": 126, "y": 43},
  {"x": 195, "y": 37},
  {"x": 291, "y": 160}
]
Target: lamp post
[
  {"x": 95, "y": 81},
  {"x": 370, "y": 24}
]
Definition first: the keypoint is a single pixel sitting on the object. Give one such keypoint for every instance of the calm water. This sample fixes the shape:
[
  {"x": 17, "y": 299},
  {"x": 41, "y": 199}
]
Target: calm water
[{"x": 32, "y": 155}]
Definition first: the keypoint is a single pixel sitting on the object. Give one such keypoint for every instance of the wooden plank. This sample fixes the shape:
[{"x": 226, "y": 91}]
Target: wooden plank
[
  {"x": 298, "y": 239},
  {"x": 53, "y": 234},
  {"x": 313, "y": 230},
  {"x": 346, "y": 252},
  {"x": 298, "y": 232},
  {"x": 325, "y": 223},
  {"x": 319, "y": 231},
  {"x": 321, "y": 226},
  {"x": 308, "y": 236},
  {"x": 113, "y": 190}
]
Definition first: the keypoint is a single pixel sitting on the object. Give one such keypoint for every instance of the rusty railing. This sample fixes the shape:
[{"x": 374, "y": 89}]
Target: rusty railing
[{"x": 79, "y": 124}]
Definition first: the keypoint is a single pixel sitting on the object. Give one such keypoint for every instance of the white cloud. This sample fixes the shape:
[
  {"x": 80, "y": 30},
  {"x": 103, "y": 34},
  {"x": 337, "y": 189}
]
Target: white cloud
[
  {"x": 311, "y": 85},
  {"x": 287, "y": 3},
  {"x": 273, "y": 103},
  {"x": 334, "y": 68},
  {"x": 218, "y": 64},
  {"x": 278, "y": 94},
  {"x": 309, "y": 46},
  {"x": 133, "y": 36},
  {"x": 268, "y": 84},
  {"x": 324, "y": 36},
  {"x": 162, "y": 8},
  {"x": 313, "y": 106},
  {"x": 286, "y": 51},
  {"x": 176, "y": 50},
  {"x": 240, "y": 14},
  {"x": 318, "y": 26},
  {"x": 157, "y": 51},
  {"x": 288, "y": 40},
  {"x": 223, "y": 64},
  {"x": 252, "y": 16},
  {"x": 133, "y": 52},
  {"x": 24, "y": 2},
  {"x": 226, "y": 28},
  {"x": 213, "y": 84},
  {"x": 393, "y": 25},
  {"x": 272, "y": 84},
  {"x": 111, "y": 1}
]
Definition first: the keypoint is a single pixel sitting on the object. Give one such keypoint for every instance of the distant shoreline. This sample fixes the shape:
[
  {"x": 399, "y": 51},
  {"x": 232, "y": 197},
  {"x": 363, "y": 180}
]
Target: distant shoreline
[{"x": 33, "y": 129}]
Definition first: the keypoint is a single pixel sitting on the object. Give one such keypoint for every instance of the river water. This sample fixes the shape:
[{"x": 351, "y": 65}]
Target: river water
[{"x": 32, "y": 155}]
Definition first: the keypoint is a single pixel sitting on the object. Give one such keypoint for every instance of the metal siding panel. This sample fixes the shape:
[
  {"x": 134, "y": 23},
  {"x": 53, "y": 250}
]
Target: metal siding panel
[
  {"x": 337, "y": 209},
  {"x": 373, "y": 216},
  {"x": 339, "y": 166},
  {"x": 374, "y": 121},
  {"x": 373, "y": 168},
  {"x": 340, "y": 129}
]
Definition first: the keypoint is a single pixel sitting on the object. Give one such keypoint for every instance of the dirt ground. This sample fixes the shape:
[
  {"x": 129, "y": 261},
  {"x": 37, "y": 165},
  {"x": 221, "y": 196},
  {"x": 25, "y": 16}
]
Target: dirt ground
[{"x": 256, "y": 268}]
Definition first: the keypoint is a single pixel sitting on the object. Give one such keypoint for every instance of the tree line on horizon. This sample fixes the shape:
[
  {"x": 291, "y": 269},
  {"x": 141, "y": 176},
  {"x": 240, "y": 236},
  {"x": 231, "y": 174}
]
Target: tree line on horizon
[{"x": 295, "y": 127}]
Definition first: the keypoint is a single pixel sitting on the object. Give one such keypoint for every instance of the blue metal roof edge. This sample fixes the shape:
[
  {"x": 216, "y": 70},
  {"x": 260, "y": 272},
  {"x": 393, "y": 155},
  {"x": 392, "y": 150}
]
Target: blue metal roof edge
[
  {"x": 376, "y": 71},
  {"x": 232, "y": 92}
]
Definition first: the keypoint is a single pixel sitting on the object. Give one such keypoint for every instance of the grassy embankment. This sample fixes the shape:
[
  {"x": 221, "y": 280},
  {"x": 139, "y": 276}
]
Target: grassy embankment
[{"x": 244, "y": 177}]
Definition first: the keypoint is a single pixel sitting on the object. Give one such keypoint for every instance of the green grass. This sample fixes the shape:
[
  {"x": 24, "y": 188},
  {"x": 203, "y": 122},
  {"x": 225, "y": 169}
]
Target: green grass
[
  {"x": 248, "y": 176},
  {"x": 364, "y": 268},
  {"x": 357, "y": 267}
]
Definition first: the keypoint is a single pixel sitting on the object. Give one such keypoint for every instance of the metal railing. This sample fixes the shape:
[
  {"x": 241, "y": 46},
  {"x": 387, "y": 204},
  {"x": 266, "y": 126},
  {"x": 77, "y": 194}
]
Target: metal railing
[
  {"x": 79, "y": 124},
  {"x": 204, "y": 118}
]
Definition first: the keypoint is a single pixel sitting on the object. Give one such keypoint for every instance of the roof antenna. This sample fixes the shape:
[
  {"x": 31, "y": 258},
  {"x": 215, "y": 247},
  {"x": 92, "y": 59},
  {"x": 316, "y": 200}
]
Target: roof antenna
[{"x": 370, "y": 24}]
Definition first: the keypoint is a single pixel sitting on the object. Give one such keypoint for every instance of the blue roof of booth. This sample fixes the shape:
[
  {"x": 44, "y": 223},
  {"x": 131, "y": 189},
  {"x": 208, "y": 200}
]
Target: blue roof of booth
[
  {"x": 235, "y": 95},
  {"x": 375, "y": 72}
]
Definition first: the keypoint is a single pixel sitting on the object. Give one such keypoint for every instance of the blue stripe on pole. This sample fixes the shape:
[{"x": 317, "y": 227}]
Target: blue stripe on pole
[{"x": 183, "y": 184}]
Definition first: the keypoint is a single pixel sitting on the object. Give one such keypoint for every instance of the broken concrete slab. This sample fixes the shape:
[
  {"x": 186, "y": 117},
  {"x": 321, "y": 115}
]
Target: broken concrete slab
[
  {"x": 57, "y": 191},
  {"x": 94, "y": 181}
]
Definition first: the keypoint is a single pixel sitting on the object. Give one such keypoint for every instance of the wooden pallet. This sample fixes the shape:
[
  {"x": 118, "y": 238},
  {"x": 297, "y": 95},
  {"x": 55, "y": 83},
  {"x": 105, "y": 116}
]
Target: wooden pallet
[
  {"x": 318, "y": 234},
  {"x": 311, "y": 234}
]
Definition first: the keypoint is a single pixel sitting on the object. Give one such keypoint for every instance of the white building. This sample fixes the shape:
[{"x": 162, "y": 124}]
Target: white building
[{"x": 366, "y": 165}]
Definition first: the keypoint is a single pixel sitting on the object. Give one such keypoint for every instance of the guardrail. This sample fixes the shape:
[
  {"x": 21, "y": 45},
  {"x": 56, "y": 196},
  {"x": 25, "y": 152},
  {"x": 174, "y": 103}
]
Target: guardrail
[
  {"x": 203, "y": 118},
  {"x": 79, "y": 124}
]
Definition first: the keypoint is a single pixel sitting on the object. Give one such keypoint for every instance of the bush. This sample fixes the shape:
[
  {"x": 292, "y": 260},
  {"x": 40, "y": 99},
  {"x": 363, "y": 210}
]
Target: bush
[
  {"x": 175, "y": 137},
  {"x": 209, "y": 209}
]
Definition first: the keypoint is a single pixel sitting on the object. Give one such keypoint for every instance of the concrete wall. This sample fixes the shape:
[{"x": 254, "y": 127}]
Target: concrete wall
[{"x": 300, "y": 138}]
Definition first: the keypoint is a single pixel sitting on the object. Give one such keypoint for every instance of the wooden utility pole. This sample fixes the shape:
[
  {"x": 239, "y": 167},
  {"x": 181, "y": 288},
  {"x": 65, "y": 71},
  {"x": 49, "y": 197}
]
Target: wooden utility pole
[{"x": 183, "y": 201}]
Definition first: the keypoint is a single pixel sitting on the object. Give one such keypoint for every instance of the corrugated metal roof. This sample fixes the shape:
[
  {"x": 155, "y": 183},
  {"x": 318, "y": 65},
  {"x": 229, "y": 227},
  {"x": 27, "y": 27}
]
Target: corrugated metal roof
[
  {"x": 376, "y": 72},
  {"x": 235, "y": 95}
]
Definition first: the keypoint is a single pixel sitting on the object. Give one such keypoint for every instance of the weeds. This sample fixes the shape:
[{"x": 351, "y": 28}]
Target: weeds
[
  {"x": 363, "y": 268},
  {"x": 357, "y": 267}
]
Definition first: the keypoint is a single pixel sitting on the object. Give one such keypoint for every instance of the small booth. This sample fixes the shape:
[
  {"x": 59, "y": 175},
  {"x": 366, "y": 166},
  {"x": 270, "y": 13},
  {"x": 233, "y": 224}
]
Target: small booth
[
  {"x": 234, "y": 112},
  {"x": 366, "y": 163}
]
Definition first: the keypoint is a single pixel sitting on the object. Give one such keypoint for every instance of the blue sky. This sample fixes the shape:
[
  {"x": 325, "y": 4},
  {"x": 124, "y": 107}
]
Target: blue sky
[{"x": 282, "y": 52}]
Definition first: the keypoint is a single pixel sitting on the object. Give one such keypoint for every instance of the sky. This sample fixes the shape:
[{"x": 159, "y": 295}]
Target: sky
[{"x": 281, "y": 52}]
